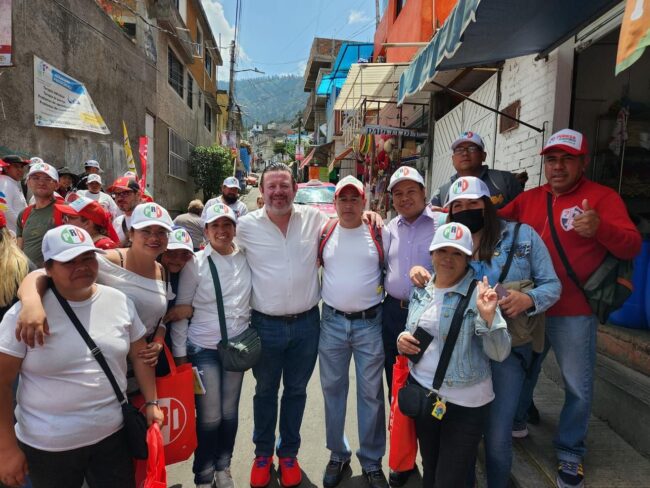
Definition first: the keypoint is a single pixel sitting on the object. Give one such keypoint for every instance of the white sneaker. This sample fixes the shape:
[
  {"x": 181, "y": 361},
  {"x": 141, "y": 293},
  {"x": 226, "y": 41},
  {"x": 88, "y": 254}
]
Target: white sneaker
[
  {"x": 223, "y": 479},
  {"x": 520, "y": 433}
]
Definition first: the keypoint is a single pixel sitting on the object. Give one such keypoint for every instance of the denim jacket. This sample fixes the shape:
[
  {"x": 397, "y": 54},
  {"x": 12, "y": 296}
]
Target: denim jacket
[
  {"x": 531, "y": 262},
  {"x": 476, "y": 344}
]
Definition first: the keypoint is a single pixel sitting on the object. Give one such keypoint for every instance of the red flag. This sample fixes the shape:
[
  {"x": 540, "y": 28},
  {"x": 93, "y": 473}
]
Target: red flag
[{"x": 143, "y": 162}]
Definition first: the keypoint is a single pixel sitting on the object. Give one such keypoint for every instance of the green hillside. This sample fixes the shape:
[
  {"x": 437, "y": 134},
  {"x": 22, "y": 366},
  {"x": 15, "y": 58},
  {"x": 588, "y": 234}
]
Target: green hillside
[{"x": 269, "y": 98}]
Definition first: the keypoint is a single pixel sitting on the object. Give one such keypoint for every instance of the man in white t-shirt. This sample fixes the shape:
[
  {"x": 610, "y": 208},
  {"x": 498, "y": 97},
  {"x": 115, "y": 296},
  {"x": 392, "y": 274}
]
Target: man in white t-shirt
[
  {"x": 94, "y": 192},
  {"x": 126, "y": 193},
  {"x": 352, "y": 257},
  {"x": 12, "y": 200},
  {"x": 229, "y": 196}
]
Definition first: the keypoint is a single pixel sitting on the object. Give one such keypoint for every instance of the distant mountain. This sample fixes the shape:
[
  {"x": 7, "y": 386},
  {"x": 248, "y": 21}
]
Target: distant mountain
[{"x": 269, "y": 98}]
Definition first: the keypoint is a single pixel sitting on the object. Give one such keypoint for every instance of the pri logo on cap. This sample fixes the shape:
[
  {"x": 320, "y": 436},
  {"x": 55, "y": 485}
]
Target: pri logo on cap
[
  {"x": 459, "y": 186},
  {"x": 71, "y": 236},
  {"x": 220, "y": 209},
  {"x": 44, "y": 167},
  {"x": 182, "y": 236},
  {"x": 468, "y": 134},
  {"x": 453, "y": 233},
  {"x": 153, "y": 211},
  {"x": 403, "y": 171}
]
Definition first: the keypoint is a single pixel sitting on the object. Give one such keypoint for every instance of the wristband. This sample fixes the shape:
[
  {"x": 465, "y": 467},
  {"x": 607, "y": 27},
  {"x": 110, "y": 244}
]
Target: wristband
[{"x": 151, "y": 403}]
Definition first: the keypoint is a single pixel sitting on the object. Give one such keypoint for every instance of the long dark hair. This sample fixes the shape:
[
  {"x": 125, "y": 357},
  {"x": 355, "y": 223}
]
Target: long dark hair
[{"x": 491, "y": 230}]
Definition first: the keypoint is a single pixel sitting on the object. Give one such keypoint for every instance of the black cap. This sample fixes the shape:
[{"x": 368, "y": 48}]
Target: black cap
[{"x": 13, "y": 158}]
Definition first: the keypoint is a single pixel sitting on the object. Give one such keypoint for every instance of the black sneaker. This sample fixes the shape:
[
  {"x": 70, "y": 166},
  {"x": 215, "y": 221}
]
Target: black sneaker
[
  {"x": 570, "y": 475},
  {"x": 376, "y": 478},
  {"x": 334, "y": 473},
  {"x": 533, "y": 414},
  {"x": 398, "y": 478}
]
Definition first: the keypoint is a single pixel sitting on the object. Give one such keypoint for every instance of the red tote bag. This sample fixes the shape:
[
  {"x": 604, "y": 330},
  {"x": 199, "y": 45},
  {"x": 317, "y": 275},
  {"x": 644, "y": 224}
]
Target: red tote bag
[
  {"x": 176, "y": 400},
  {"x": 403, "y": 446},
  {"x": 151, "y": 473}
]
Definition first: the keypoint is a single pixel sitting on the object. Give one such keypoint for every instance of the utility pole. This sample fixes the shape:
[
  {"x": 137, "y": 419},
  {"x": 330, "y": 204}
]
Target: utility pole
[
  {"x": 377, "y": 13},
  {"x": 298, "y": 147},
  {"x": 231, "y": 103}
]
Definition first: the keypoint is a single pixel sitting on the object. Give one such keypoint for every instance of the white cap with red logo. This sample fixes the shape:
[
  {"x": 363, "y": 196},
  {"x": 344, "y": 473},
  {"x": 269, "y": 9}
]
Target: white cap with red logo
[
  {"x": 216, "y": 211},
  {"x": 567, "y": 140},
  {"x": 349, "y": 180},
  {"x": 231, "y": 182},
  {"x": 180, "y": 239},
  {"x": 44, "y": 168},
  {"x": 467, "y": 187},
  {"x": 469, "y": 136},
  {"x": 453, "y": 235},
  {"x": 405, "y": 173},
  {"x": 147, "y": 214},
  {"x": 66, "y": 242},
  {"x": 94, "y": 178}
]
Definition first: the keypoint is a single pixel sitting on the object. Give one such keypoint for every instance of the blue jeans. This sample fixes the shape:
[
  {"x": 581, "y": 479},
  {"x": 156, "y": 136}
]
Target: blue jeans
[
  {"x": 507, "y": 381},
  {"x": 216, "y": 413},
  {"x": 573, "y": 340},
  {"x": 289, "y": 351},
  {"x": 340, "y": 339}
]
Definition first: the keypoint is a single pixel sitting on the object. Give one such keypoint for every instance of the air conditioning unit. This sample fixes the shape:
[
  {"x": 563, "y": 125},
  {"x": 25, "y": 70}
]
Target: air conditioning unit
[{"x": 381, "y": 59}]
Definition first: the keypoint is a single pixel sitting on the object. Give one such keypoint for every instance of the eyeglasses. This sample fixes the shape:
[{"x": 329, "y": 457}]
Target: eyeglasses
[
  {"x": 148, "y": 234},
  {"x": 467, "y": 149},
  {"x": 122, "y": 194}
]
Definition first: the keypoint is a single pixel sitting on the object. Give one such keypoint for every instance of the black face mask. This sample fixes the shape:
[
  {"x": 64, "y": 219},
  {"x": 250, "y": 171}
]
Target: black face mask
[{"x": 472, "y": 219}]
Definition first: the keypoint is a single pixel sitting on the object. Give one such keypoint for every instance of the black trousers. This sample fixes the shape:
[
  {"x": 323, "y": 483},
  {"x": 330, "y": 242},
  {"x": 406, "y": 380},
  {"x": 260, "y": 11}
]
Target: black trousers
[
  {"x": 393, "y": 322},
  {"x": 106, "y": 464},
  {"x": 448, "y": 446}
]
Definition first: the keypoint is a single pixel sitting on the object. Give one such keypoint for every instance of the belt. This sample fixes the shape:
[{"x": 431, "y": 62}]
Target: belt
[
  {"x": 370, "y": 313},
  {"x": 287, "y": 318},
  {"x": 402, "y": 303}
]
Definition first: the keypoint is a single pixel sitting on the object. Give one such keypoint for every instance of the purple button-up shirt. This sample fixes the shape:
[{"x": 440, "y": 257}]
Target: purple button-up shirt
[{"x": 406, "y": 245}]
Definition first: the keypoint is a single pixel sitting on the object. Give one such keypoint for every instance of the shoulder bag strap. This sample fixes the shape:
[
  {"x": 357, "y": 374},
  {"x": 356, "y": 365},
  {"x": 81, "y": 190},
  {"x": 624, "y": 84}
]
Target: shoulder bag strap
[
  {"x": 452, "y": 336},
  {"x": 94, "y": 349},
  {"x": 556, "y": 241},
  {"x": 506, "y": 267},
  {"x": 217, "y": 291}
]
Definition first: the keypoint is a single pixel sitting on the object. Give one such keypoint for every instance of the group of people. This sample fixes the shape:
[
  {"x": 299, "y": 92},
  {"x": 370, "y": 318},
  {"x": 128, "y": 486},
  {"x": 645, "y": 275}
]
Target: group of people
[{"x": 469, "y": 286}]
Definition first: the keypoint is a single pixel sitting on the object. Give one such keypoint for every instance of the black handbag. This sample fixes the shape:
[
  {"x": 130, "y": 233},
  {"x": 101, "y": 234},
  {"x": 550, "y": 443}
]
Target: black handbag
[
  {"x": 609, "y": 286},
  {"x": 135, "y": 424},
  {"x": 241, "y": 352},
  {"x": 414, "y": 400}
]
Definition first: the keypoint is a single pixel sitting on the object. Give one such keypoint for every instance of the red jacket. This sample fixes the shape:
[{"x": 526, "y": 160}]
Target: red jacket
[{"x": 616, "y": 234}]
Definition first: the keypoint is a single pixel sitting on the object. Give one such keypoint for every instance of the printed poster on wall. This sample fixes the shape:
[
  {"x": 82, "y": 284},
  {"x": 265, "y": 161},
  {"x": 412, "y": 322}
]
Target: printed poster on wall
[
  {"x": 63, "y": 102},
  {"x": 5, "y": 32}
]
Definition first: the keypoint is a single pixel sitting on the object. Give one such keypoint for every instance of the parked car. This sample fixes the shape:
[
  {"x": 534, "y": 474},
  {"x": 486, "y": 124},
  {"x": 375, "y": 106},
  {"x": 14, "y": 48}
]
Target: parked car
[
  {"x": 252, "y": 179},
  {"x": 317, "y": 194}
]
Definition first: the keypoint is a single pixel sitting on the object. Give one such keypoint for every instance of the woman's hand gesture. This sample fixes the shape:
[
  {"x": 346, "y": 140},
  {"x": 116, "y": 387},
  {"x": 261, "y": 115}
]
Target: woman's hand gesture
[{"x": 486, "y": 301}]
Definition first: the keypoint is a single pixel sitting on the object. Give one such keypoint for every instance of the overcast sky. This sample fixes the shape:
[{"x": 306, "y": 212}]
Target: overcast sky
[{"x": 276, "y": 35}]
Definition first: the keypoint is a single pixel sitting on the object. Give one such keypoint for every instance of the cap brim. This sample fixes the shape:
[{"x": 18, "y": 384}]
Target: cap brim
[
  {"x": 404, "y": 178},
  {"x": 232, "y": 186},
  {"x": 147, "y": 223},
  {"x": 66, "y": 209},
  {"x": 360, "y": 192},
  {"x": 217, "y": 217},
  {"x": 466, "y": 196},
  {"x": 450, "y": 244},
  {"x": 70, "y": 254},
  {"x": 563, "y": 147},
  {"x": 460, "y": 141},
  {"x": 172, "y": 246}
]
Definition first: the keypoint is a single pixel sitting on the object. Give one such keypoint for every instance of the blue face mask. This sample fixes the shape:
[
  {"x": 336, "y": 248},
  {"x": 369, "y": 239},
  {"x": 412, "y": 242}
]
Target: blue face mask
[{"x": 472, "y": 219}]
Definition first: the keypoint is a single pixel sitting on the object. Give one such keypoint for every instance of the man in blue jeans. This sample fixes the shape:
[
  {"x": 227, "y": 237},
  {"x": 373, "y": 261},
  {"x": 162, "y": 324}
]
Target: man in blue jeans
[
  {"x": 590, "y": 220},
  {"x": 352, "y": 257}
]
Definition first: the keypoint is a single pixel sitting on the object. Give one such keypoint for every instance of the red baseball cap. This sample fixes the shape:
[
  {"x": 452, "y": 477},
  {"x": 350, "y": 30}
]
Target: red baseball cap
[
  {"x": 124, "y": 183},
  {"x": 568, "y": 140},
  {"x": 3, "y": 220},
  {"x": 91, "y": 210}
]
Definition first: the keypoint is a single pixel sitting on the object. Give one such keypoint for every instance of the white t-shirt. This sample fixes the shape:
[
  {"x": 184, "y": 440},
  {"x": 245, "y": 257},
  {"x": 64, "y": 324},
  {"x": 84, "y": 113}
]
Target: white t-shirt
[
  {"x": 12, "y": 200},
  {"x": 64, "y": 399},
  {"x": 197, "y": 288},
  {"x": 117, "y": 225},
  {"x": 238, "y": 207},
  {"x": 285, "y": 269},
  {"x": 475, "y": 395},
  {"x": 351, "y": 272},
  {"x": 104, "y": 199}
]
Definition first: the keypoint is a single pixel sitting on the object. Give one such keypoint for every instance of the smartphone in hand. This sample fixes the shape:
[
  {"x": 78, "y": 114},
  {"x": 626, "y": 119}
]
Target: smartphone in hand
[
  {"x": 425, "y": 339},
  {"x": 501, "y": 291}
]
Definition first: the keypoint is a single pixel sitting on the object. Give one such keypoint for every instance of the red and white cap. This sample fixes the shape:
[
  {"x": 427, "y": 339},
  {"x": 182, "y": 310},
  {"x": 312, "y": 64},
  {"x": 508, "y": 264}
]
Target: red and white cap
[
  {"x": 568, "y": 140},
  {"x": 467, "y": 187},
  {"x": 180, "y": 239},
  {"x": 216, "y": 211},
  {"x": 44, "y": 168},
  {"x": 91, "y": 210},
  {"x": 453, "y": 235},
  {"x": 66, "y": 242},
  {"x": 349, "y": 181},
  {"x": 469, "y": 136},
  {"x": 94, "y": 178},
  {"x": 147, "y": 214},
  {"x": 405, "y": 173}
]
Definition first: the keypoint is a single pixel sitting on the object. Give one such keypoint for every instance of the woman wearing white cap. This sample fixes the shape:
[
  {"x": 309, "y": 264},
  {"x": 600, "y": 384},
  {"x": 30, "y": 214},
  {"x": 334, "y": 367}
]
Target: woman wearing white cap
[
  {"x": 454, "y": 328},
  {"x": 532, "y": 287},
  {"x": 69, "y": 423},
  {"x": 134, "y": 271},
  {"x": 217, "y": 410}
]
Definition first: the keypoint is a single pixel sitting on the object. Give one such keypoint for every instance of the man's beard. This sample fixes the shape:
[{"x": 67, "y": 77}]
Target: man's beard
[{"x": 229, "y": 199}]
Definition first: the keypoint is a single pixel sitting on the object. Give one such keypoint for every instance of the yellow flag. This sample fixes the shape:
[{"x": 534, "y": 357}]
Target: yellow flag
[{"x": 130, "y": 162}]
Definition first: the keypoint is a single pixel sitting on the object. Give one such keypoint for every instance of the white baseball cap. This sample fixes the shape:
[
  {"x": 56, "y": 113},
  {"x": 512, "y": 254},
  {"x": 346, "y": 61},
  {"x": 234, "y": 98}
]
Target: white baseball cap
[
  {"x": 216, "y": 211},
  {"x": 231, "y": 182},
  {"x": 91, "y": 163},
  {"x": 349, "y": 181},
  {"x": 453, "y": 235},
  {"x": 567, "y": 140},
  {"x": 94, "y": 178},
  {"x": 405, "y": 173},
  {"x": 467, "y": 187},
  {"x": 66, "y": 242},
  {"x": 179, "y": 238},
  {"x": 44, "y": 168},
  {"x": 35, "y": 160},
  {"x": 151, "y": 213},
  {"x": 469, "y": 136}
]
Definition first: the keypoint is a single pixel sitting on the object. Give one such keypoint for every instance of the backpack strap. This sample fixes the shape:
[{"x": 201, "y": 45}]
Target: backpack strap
[
  {"x": 25, "y": 216},
  {"x": 375, "y": 234},
  {"x": 325, "y": 234}
]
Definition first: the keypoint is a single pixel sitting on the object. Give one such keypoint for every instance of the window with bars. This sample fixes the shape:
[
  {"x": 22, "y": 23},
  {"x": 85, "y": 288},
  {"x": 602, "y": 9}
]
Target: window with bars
[
  {"x": 208, "y": 64},
  {"x": 174, "y": 72},
  {"x": 190, "y": 90},
  {"x": 179, "y": 153},
  {"x": 207, "y": 116}
]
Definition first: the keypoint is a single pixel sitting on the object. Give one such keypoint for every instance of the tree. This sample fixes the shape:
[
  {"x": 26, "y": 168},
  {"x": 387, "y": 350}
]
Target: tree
[{"x": 209, "y": 166}]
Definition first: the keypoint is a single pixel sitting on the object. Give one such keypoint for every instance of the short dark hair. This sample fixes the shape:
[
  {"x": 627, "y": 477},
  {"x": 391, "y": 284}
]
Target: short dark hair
[
  {"x": 276, "y": 167},
  {"x": 491, "y": 230}
]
